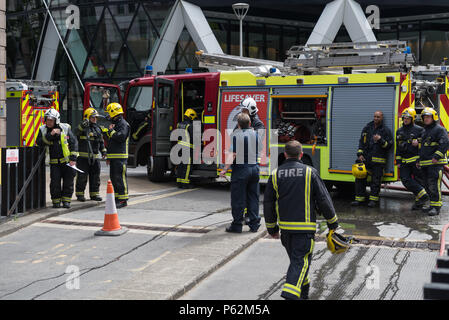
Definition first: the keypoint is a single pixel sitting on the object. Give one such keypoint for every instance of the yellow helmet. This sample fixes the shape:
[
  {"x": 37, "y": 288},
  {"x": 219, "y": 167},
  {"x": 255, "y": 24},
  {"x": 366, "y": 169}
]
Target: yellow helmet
[
  {"x": 114, "y": 109},
  {"x": 90, "y": 112},
  {"x": 409, "y": 112},
  {"x": 359, "y": 170},
  {"x": 337, "y": 243},
  {"x": 191, "y": 114},
  {"x": 429, "y": 112}
]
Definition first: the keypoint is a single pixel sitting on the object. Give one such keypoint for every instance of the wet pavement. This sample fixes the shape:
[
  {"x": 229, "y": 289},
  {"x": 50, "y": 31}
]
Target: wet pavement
[
  {"x": 176, "y": 241},
  {"x": 362, "y": 273},
  {"x": 392, "y": 220}
]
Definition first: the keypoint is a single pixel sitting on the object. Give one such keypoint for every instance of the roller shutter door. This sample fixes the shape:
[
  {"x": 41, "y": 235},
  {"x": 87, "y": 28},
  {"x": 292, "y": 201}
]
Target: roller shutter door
[{"x": 352, "y": 108}]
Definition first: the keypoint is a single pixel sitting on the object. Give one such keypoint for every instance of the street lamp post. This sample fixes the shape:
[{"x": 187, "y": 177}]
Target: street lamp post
[{"x": 240, "y": 10}]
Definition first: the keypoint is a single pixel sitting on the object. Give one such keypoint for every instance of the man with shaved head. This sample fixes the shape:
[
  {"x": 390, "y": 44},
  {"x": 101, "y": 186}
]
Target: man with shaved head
[{"x": 375, "y": 141}]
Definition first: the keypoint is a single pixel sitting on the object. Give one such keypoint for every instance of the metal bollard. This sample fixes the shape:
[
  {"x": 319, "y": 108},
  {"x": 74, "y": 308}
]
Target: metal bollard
[
  {"x": 443, "y": 262},
  {"x": 440, "y": 276},
  {"x": 436, "y": 291}
]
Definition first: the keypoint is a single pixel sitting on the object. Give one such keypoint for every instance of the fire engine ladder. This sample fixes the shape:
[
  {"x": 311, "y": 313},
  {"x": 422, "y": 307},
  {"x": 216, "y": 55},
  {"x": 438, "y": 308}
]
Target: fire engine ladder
[
  {"x": 225, "y": 62},
  {"x": 381, "y": 55},
  {"x": 361, "y": 55}
]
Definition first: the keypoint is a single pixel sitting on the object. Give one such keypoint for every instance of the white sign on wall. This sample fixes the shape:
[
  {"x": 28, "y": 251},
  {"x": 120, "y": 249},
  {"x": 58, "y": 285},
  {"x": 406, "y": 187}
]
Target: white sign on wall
[{"x": 12, "y": 155}]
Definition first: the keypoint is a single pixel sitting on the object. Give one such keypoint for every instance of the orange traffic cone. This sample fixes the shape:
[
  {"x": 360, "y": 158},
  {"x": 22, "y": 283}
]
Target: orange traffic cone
[{"x": 111, "y": 226}]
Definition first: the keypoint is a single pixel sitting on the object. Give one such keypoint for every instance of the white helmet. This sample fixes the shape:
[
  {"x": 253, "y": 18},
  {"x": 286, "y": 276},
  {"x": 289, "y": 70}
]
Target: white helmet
[
  {"x": 52, "y": 113},
  {"x": 250, "y": 104}
]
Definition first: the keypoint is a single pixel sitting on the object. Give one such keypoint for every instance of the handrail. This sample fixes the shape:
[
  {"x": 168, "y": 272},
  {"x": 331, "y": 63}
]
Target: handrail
[{"x": 25, "y": 185}]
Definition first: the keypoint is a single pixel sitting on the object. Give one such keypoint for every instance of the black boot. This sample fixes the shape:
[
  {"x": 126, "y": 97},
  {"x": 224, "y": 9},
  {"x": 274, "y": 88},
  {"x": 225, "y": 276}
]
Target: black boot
[
  {"x": 372, "y": 204},
  {"x": 66, "y": 204},
  {"x": 305, "y": 292},
  {"x": 121, "y": 204},
  {"x": 433, "y": 211},
  {"x": 96, "y": 198},
  {"x": 421, "y": 203},
  {"x": 57, "y": 205},
  {"x": 81, "y": 198}
]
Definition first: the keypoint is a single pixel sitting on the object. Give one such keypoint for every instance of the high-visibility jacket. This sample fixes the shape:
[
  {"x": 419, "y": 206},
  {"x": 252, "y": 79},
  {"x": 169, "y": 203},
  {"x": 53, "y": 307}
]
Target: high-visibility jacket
[
  {"x": 92, "y": 134},
  {"x": 293, "y": 193},
  {"x": 62, "y": 147},
  {"x": 376, "y": 152},
  {"x": 405, "y": 151},
  {"x": 434, "y": 145},
  {"x": 118, "y": 139}
]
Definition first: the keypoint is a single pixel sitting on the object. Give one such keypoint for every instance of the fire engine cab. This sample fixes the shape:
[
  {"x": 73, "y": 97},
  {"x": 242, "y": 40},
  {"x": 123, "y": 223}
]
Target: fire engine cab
[{"x": 321, "y": 97}]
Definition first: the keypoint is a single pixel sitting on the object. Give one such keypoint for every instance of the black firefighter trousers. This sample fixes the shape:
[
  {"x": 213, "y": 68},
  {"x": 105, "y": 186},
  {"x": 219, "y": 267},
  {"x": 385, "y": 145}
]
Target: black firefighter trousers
[
  {"x": 433, "y": 175},
  {"x": 62, "y": 172},
  {"x": 91, "y": 172},
  {"x": 411, "y": 178},
  {"x": 376, "y": 171},
  {"x": 299, "y": 248},
  {"x": 119, "y": 178}
]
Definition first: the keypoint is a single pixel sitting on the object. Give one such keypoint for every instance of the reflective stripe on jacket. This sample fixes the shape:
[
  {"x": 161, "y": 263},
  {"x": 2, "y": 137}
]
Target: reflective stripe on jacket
[
  {"x": 118, "y": 139},
  {"x": 405, "y": 151},
  {"x": 371, "y": 150},
  {"x": 293, "y": 193},
  {"x": 60, "y": 149},
  {"x": 434, "y": 145}
]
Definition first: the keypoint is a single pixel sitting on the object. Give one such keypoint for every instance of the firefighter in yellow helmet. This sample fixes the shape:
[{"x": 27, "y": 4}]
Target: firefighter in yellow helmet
[
  {"x": 408, "y": 139},
  {"x": 91, "y": 144},
  {"x": 62, "y": 149},
  {"x": 184, "y": 168},
  {"x": 432, "y": 157},
  {"x": 117, "y": 152}
]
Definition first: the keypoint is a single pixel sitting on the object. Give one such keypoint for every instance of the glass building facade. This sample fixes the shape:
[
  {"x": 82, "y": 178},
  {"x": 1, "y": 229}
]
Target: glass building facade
[{"x": 114, "y": 38}]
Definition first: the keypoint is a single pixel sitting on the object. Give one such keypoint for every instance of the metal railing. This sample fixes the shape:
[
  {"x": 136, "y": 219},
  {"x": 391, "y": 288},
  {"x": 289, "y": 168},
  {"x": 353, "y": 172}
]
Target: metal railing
[{"x": 23, "y": 184}]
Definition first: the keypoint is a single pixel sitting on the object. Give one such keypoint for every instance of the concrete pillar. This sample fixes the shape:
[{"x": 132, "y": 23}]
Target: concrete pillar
[{"x": 2, "y": 73}]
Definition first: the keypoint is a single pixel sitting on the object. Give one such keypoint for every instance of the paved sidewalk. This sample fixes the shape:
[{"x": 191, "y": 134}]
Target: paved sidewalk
[{"x": 138, "y": 184}]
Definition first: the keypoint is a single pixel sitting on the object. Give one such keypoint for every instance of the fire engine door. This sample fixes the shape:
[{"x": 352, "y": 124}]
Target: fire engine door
[{"x": 162, "y": 116}]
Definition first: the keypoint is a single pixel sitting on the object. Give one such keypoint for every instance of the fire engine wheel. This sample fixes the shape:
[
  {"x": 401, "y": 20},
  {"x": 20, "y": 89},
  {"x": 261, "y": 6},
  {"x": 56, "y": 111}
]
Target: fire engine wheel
[
  {"x": 345, "y": 189},
  {"x": 156, "y": 168}
]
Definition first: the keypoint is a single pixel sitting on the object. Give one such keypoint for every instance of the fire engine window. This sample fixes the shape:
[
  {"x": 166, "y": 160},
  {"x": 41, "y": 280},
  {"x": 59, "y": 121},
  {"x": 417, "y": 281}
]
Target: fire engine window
[
  {"x": 193, "y": 96},
  {"x": 164, "y": 94},
  {"x": 140, "y": 98},
  {"x": 100, "y": 97},
  {"x": 302, "y": 119}
]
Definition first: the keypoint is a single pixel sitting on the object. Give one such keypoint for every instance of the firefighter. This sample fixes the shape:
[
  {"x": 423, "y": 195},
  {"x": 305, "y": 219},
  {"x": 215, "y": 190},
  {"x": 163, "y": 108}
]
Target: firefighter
[
  {"x": 142, "y": 128},
  {"x": 63, "y": 149},
  {"x": 184, "y": 168},
  {"x": 374, "y": 143},
  {"x": 249, "y": 107},
  {"x": 243, "y": 156},
  {"x": 408, "y": 139},
  {"x": 292, "y": 195},
  {"x": 432, "y": 157},
  {"x": 117, "y": 152},
  {"x": 90, "y": 141}
]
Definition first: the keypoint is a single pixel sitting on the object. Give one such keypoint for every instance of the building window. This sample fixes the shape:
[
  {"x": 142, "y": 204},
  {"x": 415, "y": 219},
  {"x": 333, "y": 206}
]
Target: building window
[{"x": 434, "y": 41}]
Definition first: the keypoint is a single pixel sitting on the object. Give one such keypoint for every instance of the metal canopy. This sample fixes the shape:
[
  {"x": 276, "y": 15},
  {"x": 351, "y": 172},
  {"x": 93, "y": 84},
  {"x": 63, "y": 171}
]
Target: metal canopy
[
  {"x": 337, "y": 13},
  {"x": 183, "y": 14}
]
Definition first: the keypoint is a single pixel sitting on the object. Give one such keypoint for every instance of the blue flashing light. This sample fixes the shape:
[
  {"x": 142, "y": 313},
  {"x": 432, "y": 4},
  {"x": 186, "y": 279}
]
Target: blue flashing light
[
  {"x": 148, "y": 70},
  {"x": 408, "y": 50},
  {"x": 272, "y": 70},
  {"x": 189, "y": 70}
]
